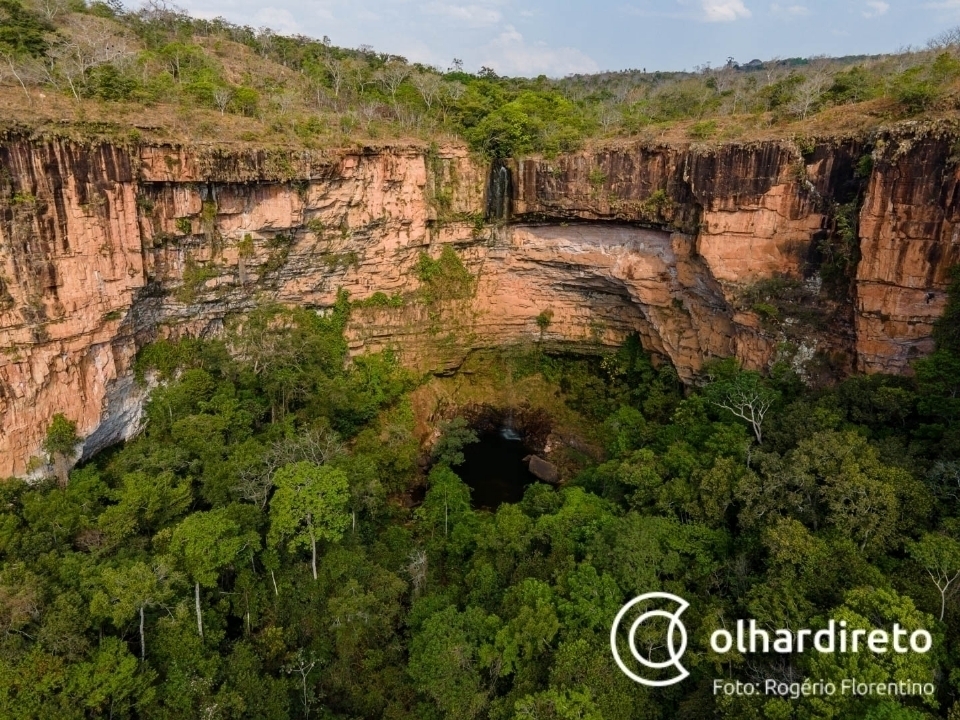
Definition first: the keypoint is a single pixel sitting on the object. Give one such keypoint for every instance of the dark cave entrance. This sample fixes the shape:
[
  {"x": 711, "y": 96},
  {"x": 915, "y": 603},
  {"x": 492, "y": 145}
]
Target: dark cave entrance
[{"x": 496, "y": 468}]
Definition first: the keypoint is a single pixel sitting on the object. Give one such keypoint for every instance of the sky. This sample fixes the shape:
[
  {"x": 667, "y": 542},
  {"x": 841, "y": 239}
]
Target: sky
[{"x": 534, "y": 37}]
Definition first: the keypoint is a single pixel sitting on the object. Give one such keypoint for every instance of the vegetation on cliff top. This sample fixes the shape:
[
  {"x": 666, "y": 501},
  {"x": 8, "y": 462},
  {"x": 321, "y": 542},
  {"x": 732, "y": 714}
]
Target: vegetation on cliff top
[{"x": 169, "y": 76}]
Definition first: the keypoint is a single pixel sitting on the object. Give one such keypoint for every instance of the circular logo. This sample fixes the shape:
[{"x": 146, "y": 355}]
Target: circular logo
[{"x": 674, "y": 648}]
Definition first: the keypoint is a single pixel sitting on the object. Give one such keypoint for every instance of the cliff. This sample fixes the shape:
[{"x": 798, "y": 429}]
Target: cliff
[{"x": 705, "y": 251}]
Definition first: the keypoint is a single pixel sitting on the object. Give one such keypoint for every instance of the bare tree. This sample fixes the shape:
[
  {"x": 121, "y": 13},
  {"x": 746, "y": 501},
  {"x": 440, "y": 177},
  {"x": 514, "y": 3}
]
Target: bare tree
[
  {"x": 744, "y": 395},
  {"x": 162, "y": 14},
  {"x": 947, "y": 40},
  {"x": 391, "y": 77},
  {"x": 302, "y": 663},
  {"x": 284, "y": 101},
  {"x": 50, "y": 9},
  {"x": 450, "y": 92},
  {"x": 317, "y": 445},
  {"x": 369, "y": 112},
  {"x": 12, "y": 66},
  {"x": 90, "y": 41},
  {"x": 222, "y": 97},
  {"x": 417, "y": 569},
  {"x": 339, "y": 71},
  {"x": 609, "y": 116},
  {"x": 806, "y": 95},
  {"x": 429, "y": 85}
]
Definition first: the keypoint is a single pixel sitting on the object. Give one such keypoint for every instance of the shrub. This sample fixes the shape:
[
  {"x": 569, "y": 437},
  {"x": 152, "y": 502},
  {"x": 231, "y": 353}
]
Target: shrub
[
  {"x": 445, "y": 278},
  {"x": 914, "y": 91}
]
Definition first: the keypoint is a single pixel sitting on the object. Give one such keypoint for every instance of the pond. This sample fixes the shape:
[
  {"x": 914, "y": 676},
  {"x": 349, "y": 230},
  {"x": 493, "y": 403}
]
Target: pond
[{"x": 494, "y": 468}]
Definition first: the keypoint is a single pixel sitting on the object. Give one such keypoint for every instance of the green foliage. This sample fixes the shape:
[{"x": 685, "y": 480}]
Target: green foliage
[
  {"x": 445, "y": 278},
  {"x": 533, "y": 122},
  {"x": 195, "y": 276},
  {"x": 309, "y": 504},
  {"x": 454, "y": 436},
  {"x": 915, "y": 91},
  {"x": 61, "y": 438},
  {"x": 22, "y": 32},
  {"x": 544, "y": 318},
  {"x": 207, "y": 542},
  {"x": 381, "y": 300},
  {"x": 852, "y": 86},
  {"x": 703, "y": 130},
  {"x": 947, "y": 328}
]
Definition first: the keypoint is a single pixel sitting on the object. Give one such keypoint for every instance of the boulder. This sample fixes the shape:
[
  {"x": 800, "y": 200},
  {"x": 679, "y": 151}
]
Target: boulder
[{"x": 542, "y": 470}]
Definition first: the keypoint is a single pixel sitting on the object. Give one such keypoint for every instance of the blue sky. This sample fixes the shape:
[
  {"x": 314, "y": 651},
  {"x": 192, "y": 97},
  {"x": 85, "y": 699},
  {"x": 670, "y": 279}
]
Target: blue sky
[{"x": 530, "y": 37}]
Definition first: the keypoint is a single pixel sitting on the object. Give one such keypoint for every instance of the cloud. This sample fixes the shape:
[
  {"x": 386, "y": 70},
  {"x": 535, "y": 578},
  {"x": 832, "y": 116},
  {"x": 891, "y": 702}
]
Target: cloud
[
  {"x": 876, "y": 8},
  {"x": 702, "y": 10},
  {"x": 724, "y": 10},
  {"x": 790, "y": 10},
  {"x": 278, "y": 20},
  {"x": 471, "y": 15},
  {"x": 510, "y": 54}
]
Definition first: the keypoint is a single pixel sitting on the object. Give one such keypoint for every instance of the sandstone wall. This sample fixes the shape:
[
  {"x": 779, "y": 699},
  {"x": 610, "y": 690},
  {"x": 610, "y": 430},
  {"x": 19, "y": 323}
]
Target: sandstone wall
[{"x": 104, "y": 248}]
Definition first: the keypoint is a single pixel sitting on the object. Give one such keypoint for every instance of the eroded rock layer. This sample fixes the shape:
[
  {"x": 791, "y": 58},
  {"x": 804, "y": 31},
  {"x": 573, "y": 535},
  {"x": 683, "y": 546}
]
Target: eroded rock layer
[{"x": 105, "y": 248}]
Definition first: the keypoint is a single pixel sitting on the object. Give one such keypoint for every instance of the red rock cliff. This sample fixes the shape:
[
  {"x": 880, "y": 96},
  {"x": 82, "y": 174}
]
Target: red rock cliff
[{"x": 104, "y": 248}]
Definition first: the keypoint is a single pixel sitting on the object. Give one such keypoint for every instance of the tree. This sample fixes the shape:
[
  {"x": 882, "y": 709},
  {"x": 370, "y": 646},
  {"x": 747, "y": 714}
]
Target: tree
[
  {"x": 340, "y": 72},
  {"x": 205, "y": 543},
  {"x": 110, "y": 684},
  {"x": 553, "y": 704},
  {"x": 453, "y": 662},
  {"x": 448, "y": 496},
  {"x": 868, "y": 608},
  {"x": 391, "y": 77},
  {"x": 91, "y": 41},
  {"x": 146, "y": 502},
  {"x": 22, "y": 33},
  {"x": 222, "y": 97},
  {"x": 429, "y": 85},
  {"x": 126, "y": 592},
  {"x": 310, "y": 504},
  {"x": 302, "y": 663},
  {"x": 947, "y": 328},
  {"x": 744, "y": 394},
  {"x": 939, "y": 555},
  {"x": 60, "y": 443},
  {"x": 454, "y": 435}
]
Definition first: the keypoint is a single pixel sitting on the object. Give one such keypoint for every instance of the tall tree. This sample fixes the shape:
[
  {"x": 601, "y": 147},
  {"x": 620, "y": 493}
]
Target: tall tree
[
  {"x": 60, "y": 443},
  {"x": 206, "y": 543},
  {"x": 939, "y": 555},
  {"x": 745, "y": 395},
  {"x": 126, "y": 592},
  {"x": 310, "y": 504}
]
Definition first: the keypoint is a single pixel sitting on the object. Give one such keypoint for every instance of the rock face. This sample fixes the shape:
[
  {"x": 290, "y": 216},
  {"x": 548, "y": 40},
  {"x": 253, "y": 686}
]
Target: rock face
[{"x": 104, "y": 248}]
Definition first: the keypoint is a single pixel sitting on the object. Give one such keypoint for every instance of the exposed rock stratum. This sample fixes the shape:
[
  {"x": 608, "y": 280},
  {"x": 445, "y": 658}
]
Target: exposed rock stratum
[{"x": 104, "y": 248}]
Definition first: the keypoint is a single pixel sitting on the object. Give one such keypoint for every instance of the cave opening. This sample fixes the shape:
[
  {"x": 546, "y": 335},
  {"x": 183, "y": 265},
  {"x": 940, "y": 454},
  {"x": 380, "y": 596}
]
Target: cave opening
[
  {"x": 494, "y": 468},
  {"x": 497, "y": 467}
]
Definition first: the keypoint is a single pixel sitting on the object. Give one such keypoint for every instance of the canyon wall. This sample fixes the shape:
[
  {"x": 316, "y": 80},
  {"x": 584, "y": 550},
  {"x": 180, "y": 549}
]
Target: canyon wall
[{"x": 105, "y": 248}]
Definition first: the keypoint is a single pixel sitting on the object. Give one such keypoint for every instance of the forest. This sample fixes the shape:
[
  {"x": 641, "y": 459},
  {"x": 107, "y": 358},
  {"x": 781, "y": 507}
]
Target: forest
[
  {"x": 277, "y": 543},
  {"x": 161, "y": 74}
]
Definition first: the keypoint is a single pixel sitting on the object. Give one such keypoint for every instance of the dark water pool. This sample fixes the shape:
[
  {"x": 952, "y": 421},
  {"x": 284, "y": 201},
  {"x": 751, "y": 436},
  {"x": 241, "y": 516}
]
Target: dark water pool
[{"x": 494, "y": 469}]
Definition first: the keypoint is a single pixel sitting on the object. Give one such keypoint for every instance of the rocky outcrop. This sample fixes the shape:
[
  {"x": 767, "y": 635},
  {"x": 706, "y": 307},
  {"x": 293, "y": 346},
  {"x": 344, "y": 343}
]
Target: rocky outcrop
[{"x": 104, "y": 248}]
